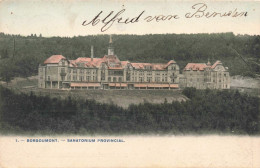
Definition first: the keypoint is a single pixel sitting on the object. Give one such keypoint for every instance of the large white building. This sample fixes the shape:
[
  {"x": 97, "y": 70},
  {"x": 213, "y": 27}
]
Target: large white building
[{"x": 108, "y": 72}]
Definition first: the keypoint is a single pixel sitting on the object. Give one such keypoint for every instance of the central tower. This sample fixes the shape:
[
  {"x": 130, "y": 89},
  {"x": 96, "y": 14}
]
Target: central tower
[{"x": 110, "y": 47}]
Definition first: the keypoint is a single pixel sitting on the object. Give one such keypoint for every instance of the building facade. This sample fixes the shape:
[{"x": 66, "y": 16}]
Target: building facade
[
  {"x": 108, "y": 72},
  {"x": 202, "y": 76}
]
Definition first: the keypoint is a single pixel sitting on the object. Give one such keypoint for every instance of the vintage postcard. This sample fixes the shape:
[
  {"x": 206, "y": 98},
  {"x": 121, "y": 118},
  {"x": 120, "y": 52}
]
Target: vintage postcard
[{"x": 129, "y": 84}]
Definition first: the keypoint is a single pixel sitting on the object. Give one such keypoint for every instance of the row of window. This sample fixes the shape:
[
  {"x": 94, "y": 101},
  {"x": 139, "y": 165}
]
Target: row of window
[
  {"x": 115, "y": 73},
  {"x": 115, "y": 79},
  {"x": 208, "y": 73},
  {"x": 81, "y": 78},
  {"x": 149, "y": 73},
  {"x": 149, "y": 79},
  {"x": 87, "y": 71}
]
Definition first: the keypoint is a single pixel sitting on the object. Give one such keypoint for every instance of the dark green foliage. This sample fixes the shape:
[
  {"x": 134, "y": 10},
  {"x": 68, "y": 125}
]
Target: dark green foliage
[
  {"x": 7, "y": 71},
  {"x": 207, "y": 111},
  {"x": 240, "y": 53}
]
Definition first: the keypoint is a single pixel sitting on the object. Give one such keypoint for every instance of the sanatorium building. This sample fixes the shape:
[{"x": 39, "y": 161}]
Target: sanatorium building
[{"x": 109, "y": 72}]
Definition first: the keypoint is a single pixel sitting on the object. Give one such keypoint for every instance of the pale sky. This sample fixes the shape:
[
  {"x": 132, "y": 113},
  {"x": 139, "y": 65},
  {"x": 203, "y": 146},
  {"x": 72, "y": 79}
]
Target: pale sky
[{"x": 65, "y": 18}]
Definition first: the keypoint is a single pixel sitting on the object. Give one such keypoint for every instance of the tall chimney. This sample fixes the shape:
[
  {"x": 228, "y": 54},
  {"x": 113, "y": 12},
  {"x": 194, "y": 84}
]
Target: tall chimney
[{"x": 92, "y": 53}]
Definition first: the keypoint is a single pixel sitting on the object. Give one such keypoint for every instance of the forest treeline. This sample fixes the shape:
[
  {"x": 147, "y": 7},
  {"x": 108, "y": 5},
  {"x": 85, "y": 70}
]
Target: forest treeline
[
  {"x": 20, "y": 55},
  {"x": 206, "y": 111}
]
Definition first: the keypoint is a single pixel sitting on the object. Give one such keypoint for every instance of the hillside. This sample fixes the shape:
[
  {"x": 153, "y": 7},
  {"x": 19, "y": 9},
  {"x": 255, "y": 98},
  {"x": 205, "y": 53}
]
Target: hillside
[
  {"x": 20, "y": 56},
  {"x": 206, "y": 111}
]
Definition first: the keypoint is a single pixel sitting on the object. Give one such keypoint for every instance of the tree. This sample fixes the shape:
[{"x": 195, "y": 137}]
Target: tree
[
  {"x": 4, "y": 54},
  {"x": 7, "y": 71}
]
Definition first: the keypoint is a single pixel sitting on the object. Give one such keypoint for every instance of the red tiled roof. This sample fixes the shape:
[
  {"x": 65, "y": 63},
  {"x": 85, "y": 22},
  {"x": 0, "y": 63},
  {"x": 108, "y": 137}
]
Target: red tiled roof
[
  {"x": 72, "y": 63},
  {"x": 124, "y": 63},
  {"x": 215, "y": 64},
  {"x": 200, "y": 66},
  {"x": 153, "y": 66},
  {"x": 159, "y": 67},
  {"x": 87, "y": 59},
  {"x": 195, "y": 66},
  {"x": 109, "y": 59},
  {"x": 169, "y": 63},
  {"x": 88, "y": 63},
  {"x": 115, "y": 67},
  {"x": 54, "y": 59},
  {"x": 85, "y": 84}
]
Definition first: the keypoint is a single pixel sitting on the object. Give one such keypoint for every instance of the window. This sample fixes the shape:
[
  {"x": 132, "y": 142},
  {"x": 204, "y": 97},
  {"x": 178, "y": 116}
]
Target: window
[
  {"x": 62, "y": 70},
  {"x": 157, "y": 79},
  {"x": 48, "y": 78},
  {"x": 115, "y": 73},
  {"x": 88, "y": 78},
  {"x": 141, "y": 73},
  {"x": 103, "y": 75},
  {"x": 128, "y": 76},
  {"x": 114, "y": 79},
  {"x": 120, "y": 79},
  {"x": 81, "y": 78}
]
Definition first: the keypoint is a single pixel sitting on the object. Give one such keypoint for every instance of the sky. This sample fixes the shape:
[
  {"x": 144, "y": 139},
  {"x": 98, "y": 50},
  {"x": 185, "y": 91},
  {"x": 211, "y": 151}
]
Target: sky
[{"x": 65, "y": 18}]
